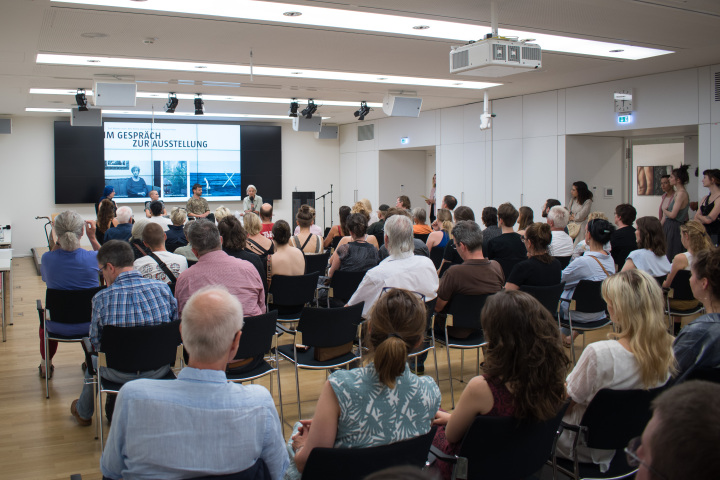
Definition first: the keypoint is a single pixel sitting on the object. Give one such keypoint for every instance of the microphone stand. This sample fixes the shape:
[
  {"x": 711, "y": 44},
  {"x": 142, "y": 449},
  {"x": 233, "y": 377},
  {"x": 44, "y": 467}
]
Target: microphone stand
[{"x": 331, "y": 205}]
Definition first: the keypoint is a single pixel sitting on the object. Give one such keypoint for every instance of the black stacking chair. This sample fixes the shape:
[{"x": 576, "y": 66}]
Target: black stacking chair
[
  {"x": 587, "y": 298},
  {"x": 421, "y": 236},
  {"x": 358, "y": 463},
  {"x": 612, "y": 419},
  {"x": 564, "y": 261},
  {"x": 680, "y": 290},
  {"x": 289, "y": 295},
  {"x": 502, "y": 448},
  {"x": 463, "y": 312},
  {"x": 64, "y": 306},
  {"x": 317, "y": 262},
  {"x": 548, "y": 296},
  {"x": 259, "y": 333},
  {"x": 323, "y": 327},
  {"x": 134, "y": 349},
  {"x": 436, "y": 255},
  {"x": 342, "y": 287}
]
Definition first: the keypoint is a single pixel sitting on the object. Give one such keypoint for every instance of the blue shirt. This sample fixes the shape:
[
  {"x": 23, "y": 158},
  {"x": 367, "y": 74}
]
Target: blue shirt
[
  {"x": 63, "y": 270},
  {"x": 122, "y": 232},
  {"x": 197, "y": 425},
  {"x": 131, "y": 301}
]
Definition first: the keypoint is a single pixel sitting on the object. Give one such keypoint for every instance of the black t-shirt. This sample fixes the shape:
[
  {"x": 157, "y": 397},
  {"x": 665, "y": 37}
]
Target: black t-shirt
[
  {"x": 451, "y": 254},
  {"x": 534, "y": 273},
  {"x": 507, "y": 245},
  {"x": 622, "y": 242}
]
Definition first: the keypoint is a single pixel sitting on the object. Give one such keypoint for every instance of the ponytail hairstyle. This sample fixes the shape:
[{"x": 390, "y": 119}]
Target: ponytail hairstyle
[
  {"x": 698, "y": 238},
  {"x": 68, "y": 227},
  {"x": 397, "y": 324},
  {"x": 539, "y": 236},
  {"x": 681, "y": 173},
  {"x": 444, "y": 218}
]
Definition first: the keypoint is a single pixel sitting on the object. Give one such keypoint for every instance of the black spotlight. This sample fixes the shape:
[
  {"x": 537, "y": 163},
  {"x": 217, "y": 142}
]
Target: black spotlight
[
  {"x": 199, "y": 105},
  {"x": 293, "y": 108},
  {"x": 362, "y": 111},
  {"x": 172, "y": 103},
  {"x": 309, "y": 110},
  {"x": 81, "y": 100}
]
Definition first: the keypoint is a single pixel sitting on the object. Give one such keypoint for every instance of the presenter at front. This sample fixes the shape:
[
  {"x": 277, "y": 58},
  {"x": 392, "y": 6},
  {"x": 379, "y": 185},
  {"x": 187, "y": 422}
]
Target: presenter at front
[
  {"x": 253, "y": 202},
  {"x": 197, "y": 207}
]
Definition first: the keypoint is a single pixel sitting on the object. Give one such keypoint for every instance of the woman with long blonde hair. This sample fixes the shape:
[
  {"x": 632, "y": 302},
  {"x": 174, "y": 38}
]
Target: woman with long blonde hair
[{"x": 640, "y": 356}]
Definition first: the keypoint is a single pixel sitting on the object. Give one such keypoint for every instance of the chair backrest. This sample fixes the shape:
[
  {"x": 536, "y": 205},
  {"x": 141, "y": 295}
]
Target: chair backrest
[
  {"x": 317, "y": 262},
  {"x": 681, "y": 286},
  {"x": 436, "y": 255},
  {"x": 505, "y": 448},
  {"x": 257, "y": 335},
  {"x": 616, "y": 416},
  {"x": 139, "y": 349},
  {"x": 548, "y": 296},
  {"x": 508, "y": 264},
  {"x": 466, "y": 309},
  {"x": 258, "y": 471},
  {"x": 345, "y": 283},
  {"x": 564, "y": 261},
  {"x": 70, "y": 306},
  {"x": 329, "y": 327},
  {"x": 336, "y": 239},
  {"x": 588, "y": 297},
  {"x": 293, "y": 290},
  {"x": 421, "y": 236},
  {"x": 708, "y": 374},
  {"x": 660, "y": 280},
  {"x": 357, "y": 463}
]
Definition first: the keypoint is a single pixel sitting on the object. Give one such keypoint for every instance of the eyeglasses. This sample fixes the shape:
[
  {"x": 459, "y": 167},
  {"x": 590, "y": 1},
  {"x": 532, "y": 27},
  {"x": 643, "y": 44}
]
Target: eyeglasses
[
  {"x": 417, "y": 294},
  {"x": 634, "y": 461}
]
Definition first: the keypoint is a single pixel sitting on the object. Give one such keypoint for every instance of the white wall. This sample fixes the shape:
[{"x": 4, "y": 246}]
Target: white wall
[
  {"x": 599, "y": 162},
  {"x": 27, "y": 170},
  {"x": 402, "y": 172},
  {"x": 657, "y": 154}
]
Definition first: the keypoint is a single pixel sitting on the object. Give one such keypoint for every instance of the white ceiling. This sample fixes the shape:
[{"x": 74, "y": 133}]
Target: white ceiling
[{"x": 688, "y": 27}]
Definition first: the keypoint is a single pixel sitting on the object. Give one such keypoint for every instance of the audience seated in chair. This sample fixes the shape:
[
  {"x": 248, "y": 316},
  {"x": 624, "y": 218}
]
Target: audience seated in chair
[
  {"x": 308, "y": 242},
  {"x": 377, "y": 229},
  {"x": 475, "y": 276},
  {"x": 508, "y": 248},
  {"x": 123, "y": 229},
  {"x": 234, "y": 243},
  {"x": 623, "y": 239},
  {"x": 698, "y": 344},
  {"x": 175, "y": 233},
  {"x": 581, "y": 247},
  {"x": 419, "y": 247},
  {"x": 155, "y": 430},
  {"x": 342, "y": 419},
  {"x": 419, "y": 218},
  {"x": 695, "y": 239},
  {"x": 442, "y": 226},
  {"x": 650, "y": 255},
  {"x": 490, "y": 220},
  {"x": 129, "y": 301},
  {"x": 68, "y": 267},
  {"x": 287, "y": 260},
  {"x": 105, "y": 219},
  {"x": 640, "y": 356},
  {"x": 186, "y": 251},
  {"x": 138, "y": 248},
  {"x": 596, "y": 264},
  {"x": 524, "y": 370},
  {"x": 401, "y": 270},
  {"x": 215, "y": 267},
  {"x": 154, "y": 240},
  {"x": 257, "y": 242},
  {"x": 339, "y": 229},
  {"x": 450, "y": 254},
  {"x": 525, "y": 218},
  {"x": 357, "y": 255},
  {"x": 680, "y": 440},
  {"x": 540, "y": 269},
  {"x": 561, "y": 244}
]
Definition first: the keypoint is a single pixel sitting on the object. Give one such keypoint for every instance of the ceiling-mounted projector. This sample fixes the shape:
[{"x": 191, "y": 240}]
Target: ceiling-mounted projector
[{"x": 495, "y": 57}]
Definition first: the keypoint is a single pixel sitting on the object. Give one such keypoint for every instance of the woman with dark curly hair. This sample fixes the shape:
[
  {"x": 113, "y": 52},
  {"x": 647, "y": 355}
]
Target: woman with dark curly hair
[
  {"x": 677, "y": 212},
  {"x": 581, "y": 199},
  {"x": 105, "y": 217},
  {"x": 525, "y": 368},
  {"x": 234, "y": 243}
]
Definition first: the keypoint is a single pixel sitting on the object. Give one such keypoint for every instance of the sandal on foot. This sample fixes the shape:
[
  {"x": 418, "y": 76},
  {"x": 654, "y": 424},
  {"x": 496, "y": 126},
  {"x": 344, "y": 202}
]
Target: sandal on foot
[{"x": 42, "y": 374}]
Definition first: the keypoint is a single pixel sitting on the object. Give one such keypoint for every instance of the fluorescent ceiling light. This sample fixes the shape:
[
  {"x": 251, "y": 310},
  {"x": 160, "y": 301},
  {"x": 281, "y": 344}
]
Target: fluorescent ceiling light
[
  {"x": 373, "y": 22},
  {"x": 116, "y": 62},
  {"x": 211, "y": 98},
  {"x": 163, "y": 114}
]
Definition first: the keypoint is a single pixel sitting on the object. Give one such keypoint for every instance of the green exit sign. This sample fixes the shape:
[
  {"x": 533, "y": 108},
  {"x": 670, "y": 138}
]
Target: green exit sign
[{"x": 624, "y": 119}]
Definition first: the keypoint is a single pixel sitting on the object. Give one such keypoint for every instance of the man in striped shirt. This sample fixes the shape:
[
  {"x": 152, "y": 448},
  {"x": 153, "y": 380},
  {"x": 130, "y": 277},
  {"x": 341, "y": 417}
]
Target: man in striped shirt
[{"x": 129, "y": 301}]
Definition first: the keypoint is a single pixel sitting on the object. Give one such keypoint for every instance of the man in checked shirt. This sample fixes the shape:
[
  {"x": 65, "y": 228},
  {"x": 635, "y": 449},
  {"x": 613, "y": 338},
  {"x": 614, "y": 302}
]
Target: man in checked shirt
[{"x": 129, "y": 301}]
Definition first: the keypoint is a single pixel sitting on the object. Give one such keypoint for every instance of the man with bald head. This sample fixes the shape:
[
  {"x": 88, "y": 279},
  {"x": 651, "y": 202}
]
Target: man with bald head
[
  {"x": 154, "y": 195},
  {"x": 154, "y": 419},
  {"x": 266, "y": 214},
  {"x": 123, "y": 230}
]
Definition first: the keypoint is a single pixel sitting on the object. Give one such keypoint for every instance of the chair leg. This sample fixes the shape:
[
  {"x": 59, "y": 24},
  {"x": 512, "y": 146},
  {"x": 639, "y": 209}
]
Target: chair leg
[
  {"x": 462, "y": 365},
  {"x": 297, "y": 390},
  {"x": 98, "y": 416},
  {"x": 96, "y": 392},
  {"x": 437, "y": 371},
  {"x": 47, "y": 363},
  {"x": 447, "y": 349},
  {"x": 280, "y": 402},
  {"x": 477, "y": 367},
  {"x": 572, "y": 340}
]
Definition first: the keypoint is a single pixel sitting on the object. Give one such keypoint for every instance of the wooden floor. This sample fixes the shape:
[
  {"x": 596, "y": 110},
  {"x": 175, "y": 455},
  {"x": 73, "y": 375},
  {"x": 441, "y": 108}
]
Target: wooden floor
[{"x": 41, "y": 440}]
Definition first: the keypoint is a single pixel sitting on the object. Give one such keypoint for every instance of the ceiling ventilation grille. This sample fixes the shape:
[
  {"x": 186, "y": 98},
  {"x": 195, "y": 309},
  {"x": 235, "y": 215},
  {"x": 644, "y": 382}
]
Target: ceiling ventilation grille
[
  {"x": 717, "y": 86},
  {"x": 461, "y": 59},
  {"x": 366, "y": 132}
]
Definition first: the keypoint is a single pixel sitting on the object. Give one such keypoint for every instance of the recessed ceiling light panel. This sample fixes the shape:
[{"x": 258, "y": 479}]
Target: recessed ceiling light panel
[{"x": 373, "y": 22}]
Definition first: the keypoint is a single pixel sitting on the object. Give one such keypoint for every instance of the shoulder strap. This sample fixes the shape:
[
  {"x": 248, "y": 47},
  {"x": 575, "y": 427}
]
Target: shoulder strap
[
  {"x": 164, "y": 267},
  {"x": 297, "y": 241},
  {"x": 265, "y": 252},
  {"x": 601, "y": 265}
]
